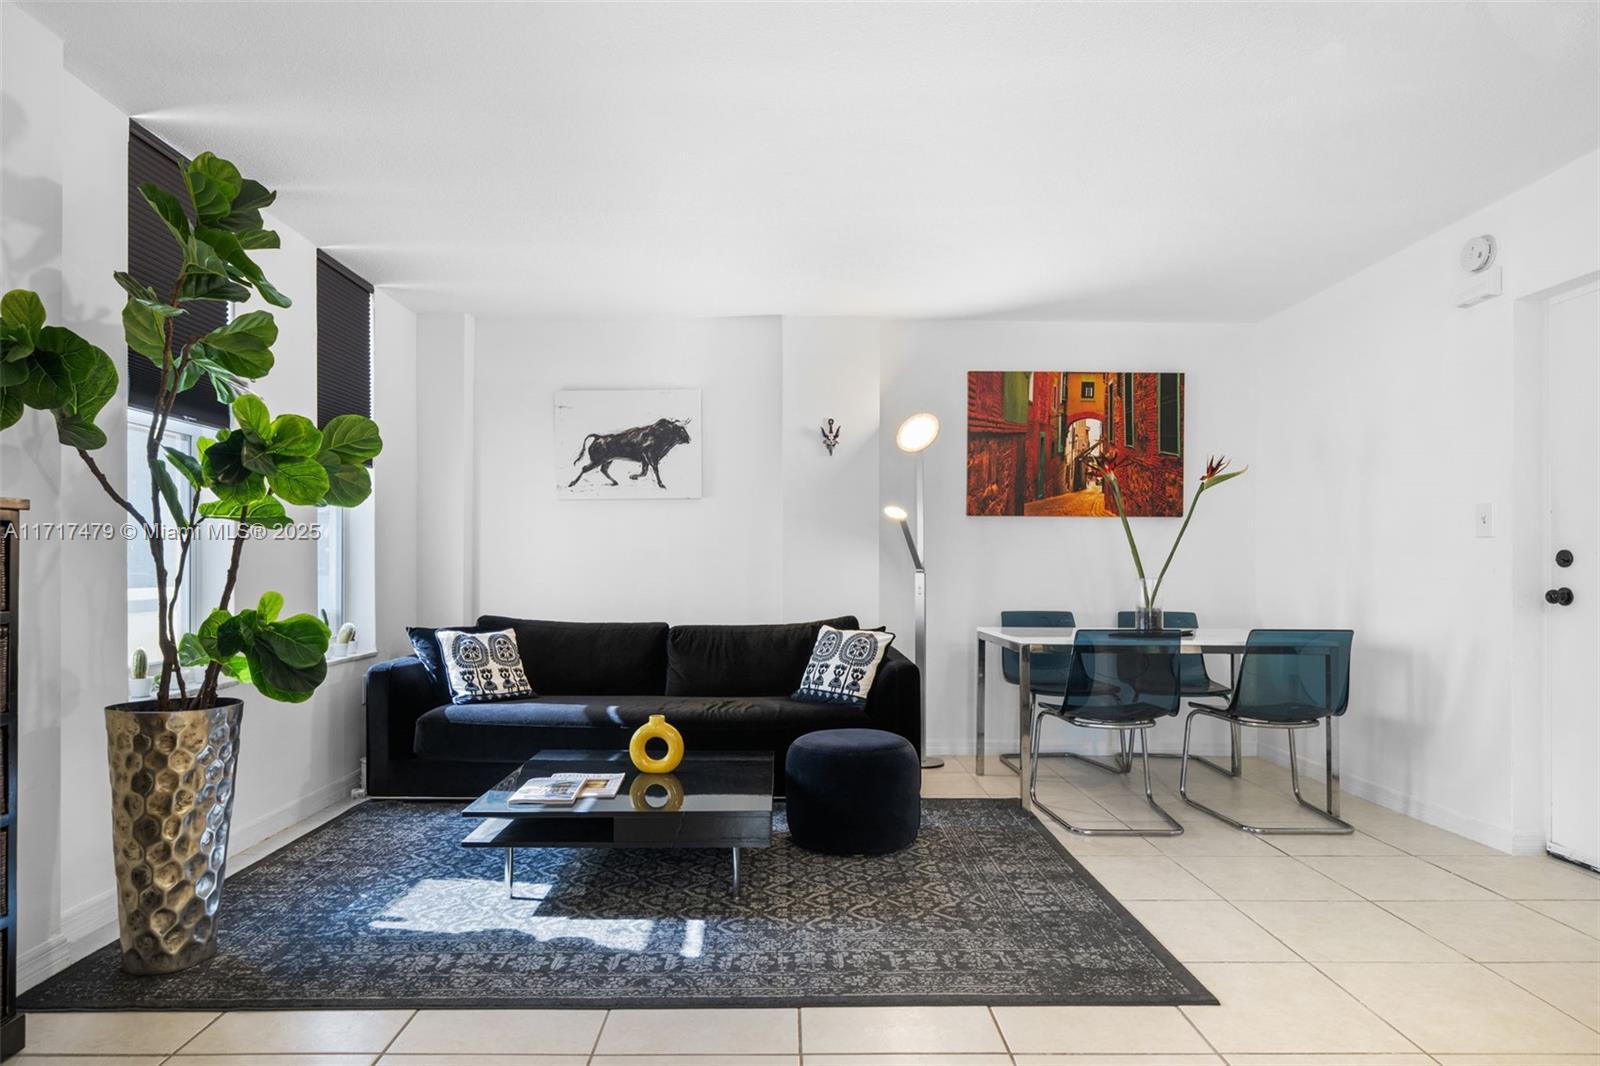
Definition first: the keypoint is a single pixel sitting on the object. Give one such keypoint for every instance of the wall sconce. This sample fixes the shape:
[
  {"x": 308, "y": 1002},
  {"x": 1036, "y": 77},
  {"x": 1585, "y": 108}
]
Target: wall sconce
[{"x": 830, "y": 435}]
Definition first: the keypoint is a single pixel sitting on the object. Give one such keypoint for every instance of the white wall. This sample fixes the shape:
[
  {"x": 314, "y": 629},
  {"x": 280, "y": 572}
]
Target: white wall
[
  {"x": 1392, "y": 414},
  {"x": 831, "y": 510},
  {"x": 715, "y": 559},
  {"x": 63, "y": 230},
  {"x": 394, "y": 490},
  {"x": 978, "y": 567}
]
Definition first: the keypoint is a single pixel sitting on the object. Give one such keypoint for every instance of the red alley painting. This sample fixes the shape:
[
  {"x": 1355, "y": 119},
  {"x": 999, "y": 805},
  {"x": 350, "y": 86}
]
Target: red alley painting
[{"x": 1040, "y": 442}]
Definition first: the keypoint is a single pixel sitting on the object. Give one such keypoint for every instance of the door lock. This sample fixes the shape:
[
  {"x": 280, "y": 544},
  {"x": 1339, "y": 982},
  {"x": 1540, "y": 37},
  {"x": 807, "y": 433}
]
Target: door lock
[
  {"x": 1563, "y": 558},
  {"x": 1561, "y": 596}
]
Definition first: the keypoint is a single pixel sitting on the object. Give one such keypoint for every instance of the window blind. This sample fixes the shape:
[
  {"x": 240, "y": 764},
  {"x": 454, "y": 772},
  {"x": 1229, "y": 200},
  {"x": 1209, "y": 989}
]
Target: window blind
[
  {"x": 344, "y": 341},
  {"x": 154, "y": 258}
]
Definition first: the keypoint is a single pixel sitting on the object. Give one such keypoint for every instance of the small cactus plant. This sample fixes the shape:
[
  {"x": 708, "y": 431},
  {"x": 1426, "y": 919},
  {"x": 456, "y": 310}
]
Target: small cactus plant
[
  {"x": 347, "y": 634},
  {"x": 139, "y": 668}
]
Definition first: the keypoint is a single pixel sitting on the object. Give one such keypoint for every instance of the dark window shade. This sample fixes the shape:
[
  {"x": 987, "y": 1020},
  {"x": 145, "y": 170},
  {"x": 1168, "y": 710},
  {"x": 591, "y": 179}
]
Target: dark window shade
[
  {"x": 344, "y": 342},
  {"x": 154, "y": 259}
]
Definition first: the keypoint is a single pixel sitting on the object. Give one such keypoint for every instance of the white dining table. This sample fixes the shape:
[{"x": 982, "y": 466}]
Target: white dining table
[{"x": 1029, "y": 640}]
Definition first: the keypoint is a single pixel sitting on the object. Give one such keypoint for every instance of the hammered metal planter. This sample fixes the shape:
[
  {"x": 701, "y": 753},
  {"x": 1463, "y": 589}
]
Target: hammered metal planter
[{"x": 172, "y": 778}]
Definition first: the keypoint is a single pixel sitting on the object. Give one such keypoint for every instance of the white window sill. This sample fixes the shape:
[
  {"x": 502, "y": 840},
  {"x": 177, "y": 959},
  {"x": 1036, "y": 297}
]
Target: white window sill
[{"x": 370, "y": 653}]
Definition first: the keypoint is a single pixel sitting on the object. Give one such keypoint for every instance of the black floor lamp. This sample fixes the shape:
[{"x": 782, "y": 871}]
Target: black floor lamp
[{"x": 913, "y": 437}]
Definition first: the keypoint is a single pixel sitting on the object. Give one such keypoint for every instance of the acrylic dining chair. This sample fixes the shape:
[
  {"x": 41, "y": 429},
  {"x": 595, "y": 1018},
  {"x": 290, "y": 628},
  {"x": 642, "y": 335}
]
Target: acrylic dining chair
[
  {"x": 1289, "y": 679},
  {"x": 1120, "y": 683},
  {"x": 1196, "y": 681}
]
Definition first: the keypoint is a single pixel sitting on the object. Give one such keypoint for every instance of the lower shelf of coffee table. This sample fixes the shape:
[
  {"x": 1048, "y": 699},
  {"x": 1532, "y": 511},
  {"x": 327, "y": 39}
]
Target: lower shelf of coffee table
[{"x": 659, "y": 830}]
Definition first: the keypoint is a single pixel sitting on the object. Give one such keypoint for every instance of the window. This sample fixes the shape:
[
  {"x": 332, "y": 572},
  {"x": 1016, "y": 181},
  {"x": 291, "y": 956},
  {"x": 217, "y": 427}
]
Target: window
[
  {"x": 345, "y": 557},
  {"x": 1128, "y": 436},
  {"x": 1169, "y": 412},
  {"x": 1086, "y": 389},
  {"x": 143, "y": 626},
  {"x": 154, "y": 259}
]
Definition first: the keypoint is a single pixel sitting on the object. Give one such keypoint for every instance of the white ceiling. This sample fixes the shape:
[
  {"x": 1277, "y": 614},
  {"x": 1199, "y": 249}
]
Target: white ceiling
[{"x": 1178, "y": 161}]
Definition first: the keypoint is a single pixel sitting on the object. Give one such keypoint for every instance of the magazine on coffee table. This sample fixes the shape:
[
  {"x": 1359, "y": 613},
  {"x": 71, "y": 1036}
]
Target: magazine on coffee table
[
  {"x": 599, "y": 786},
  {"x": 546, "y": 791}
]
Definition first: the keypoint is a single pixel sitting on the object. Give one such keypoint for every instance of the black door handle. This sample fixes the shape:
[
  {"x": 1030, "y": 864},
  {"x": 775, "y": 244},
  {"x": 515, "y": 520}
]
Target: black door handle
[{"x": 1561, "y": 596}]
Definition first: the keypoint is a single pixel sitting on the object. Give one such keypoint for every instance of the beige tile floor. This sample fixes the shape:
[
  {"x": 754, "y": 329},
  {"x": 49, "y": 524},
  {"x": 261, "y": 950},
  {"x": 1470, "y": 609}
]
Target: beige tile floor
[{"x": 1403, "y": 945}]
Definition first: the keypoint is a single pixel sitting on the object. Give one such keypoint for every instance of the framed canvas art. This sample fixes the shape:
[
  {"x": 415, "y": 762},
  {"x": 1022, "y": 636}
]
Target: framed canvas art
[
  {"x": 1039, "y": 443},
  {"x": 628, "y": 444}
]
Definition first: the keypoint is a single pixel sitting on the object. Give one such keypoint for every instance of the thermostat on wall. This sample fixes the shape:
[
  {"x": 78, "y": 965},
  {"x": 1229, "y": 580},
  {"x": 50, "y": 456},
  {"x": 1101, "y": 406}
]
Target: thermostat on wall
[{"x": 1484, "y": 286}]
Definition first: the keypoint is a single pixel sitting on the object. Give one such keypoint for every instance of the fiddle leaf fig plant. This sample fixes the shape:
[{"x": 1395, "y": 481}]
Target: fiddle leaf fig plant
[{"x": 245, "y": 477}]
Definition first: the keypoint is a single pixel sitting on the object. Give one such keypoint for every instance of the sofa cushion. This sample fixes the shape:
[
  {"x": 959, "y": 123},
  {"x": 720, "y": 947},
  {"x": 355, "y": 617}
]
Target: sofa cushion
[
  {"x": 764, "y": 660},
  {"x": 513, "y": 730},
  {"x": 625, "y": 658}
]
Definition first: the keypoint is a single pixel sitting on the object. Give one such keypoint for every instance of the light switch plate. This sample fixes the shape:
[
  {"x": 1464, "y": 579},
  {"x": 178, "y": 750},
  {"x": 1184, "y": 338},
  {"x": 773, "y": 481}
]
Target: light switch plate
[{"x": 1483, "y": 526}]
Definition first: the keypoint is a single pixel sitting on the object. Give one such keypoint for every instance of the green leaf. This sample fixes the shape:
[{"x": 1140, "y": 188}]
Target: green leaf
[
  {"x": 169, "y": 493},
  {"x": 189, "y": 466},
  {"x": 227, "y": 246},
  {"x": 231, "y": 639},
  {"x": 13, "y": 374},
  {"x": 225, "y": 472},
  {"x": 10, "y": 408},
  {"x": 200, "y": 257},
  {"x": 349, "y": 484},
  {"x": 259, "y": 458},
  {"x": 207, "y": 633},
  {"x": 269, "y": 606},
  {"x": 134, "y": 287},
  {"x": 22, "y": 310},
  {"x": 237, "y": 666},
  {"x": 300, "y": 640},
  {"x": 244, "y": 218},
  {"x": 191, "y": 652},
  {"x": 304, "y": 482},
  {"x": 1220, "y": 478},
  {"x": 145, "y": 329},
  {"x": 254, "y": 331},
  {"x": 294, "y": 437},
  {"x": 167, "y": 207},
  {"x": 353, "y": 438},
  {"x": 241, "y": 366},
  {"x": 251, "y": 414},
  {"x": 266, "y": 512},
  {"x": 213, "y": 183},
  {"x": 75, "y": 431},
  {"x": 254, "y": 239},
  {"x": 212, "y": 287}
]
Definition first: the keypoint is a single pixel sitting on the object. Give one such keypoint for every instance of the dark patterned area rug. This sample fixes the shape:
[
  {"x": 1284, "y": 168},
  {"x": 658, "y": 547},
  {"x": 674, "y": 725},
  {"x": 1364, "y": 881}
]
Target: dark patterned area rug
[{"x": 380, "y": 907}]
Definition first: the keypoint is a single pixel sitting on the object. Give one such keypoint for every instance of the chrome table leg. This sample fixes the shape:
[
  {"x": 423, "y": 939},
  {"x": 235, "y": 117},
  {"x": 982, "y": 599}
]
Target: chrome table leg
[
  {"x": 1024, "y": 721},
  {"x": 510, "y": 892},
  {"x": 736, "y": 871},
  {"x": 982, "y": 708}
]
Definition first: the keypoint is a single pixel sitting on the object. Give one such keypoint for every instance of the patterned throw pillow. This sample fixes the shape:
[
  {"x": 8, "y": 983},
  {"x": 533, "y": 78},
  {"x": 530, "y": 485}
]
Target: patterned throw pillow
[
  {"x": 843, "y": 665},
  {"x": 483, "y": 666}
]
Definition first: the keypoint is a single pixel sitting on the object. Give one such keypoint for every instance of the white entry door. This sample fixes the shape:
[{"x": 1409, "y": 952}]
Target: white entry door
[{"x": 1572, "y": 596}]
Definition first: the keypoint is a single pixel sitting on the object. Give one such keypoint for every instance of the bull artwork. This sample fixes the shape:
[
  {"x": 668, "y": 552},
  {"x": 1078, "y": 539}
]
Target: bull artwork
[{"x": 645, "y": 445}]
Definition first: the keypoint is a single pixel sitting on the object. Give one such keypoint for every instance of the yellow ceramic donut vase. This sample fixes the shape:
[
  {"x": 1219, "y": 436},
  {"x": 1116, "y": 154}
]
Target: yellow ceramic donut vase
[{"x": 657, "y": 728}]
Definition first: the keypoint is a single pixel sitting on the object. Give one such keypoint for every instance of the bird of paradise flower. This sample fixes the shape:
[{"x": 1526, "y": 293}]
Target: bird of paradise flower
[{"x": 1214, "y": 475}]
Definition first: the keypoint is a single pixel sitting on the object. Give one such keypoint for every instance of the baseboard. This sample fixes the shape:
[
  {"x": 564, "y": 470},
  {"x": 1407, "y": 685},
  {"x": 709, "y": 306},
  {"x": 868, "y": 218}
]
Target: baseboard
[
  {"x": 92, "y": 924},
  {"x": 1498, "y": 837},
  {"x": 249, "y": 834}
]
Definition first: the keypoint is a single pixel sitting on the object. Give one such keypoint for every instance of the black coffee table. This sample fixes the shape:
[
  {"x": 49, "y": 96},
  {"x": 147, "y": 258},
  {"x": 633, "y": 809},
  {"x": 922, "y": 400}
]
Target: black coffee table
[{"x": 712, "y": 800}]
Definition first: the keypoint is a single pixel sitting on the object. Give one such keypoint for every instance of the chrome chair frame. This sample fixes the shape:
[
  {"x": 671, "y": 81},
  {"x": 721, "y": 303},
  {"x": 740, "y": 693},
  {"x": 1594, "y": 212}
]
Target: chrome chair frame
[
  {"x": 1331, "y": 814},
  {"x": 1125, "y": 755}
]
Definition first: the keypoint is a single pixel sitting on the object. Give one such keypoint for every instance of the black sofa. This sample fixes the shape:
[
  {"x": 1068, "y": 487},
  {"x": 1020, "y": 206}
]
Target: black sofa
[{"x": 726, "y": 688}]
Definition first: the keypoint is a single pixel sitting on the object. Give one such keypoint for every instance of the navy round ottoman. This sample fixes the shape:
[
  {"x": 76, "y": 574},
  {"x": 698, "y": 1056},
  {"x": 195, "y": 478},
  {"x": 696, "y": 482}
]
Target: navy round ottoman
[{"x": 853, "y": 792}]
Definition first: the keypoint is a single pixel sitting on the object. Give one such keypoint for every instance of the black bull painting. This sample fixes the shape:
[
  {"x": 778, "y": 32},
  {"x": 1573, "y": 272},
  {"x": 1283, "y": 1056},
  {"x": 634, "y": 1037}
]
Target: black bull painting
[{"x": 645, "y": 445}]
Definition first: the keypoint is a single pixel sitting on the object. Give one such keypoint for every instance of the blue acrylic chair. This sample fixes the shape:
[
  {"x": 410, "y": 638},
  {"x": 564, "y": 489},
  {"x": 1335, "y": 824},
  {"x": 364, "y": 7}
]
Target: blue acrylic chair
[
  {"x": 1047, "y": 671},
  {"x": 1192, "y": 673},
  {"x": 1119, "y": 683},
  {"x": 1196, "y": 681},
  {"x": 1289, "y": 679}
]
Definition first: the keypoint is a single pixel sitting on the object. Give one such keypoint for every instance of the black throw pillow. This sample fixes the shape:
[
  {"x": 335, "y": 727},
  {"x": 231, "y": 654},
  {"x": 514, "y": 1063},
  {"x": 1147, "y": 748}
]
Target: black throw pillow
[{"x": 425, "y": 643}]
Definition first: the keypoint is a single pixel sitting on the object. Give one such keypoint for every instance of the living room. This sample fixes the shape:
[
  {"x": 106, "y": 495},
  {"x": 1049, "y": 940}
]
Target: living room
[{"x": 1108, "y": 530}]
